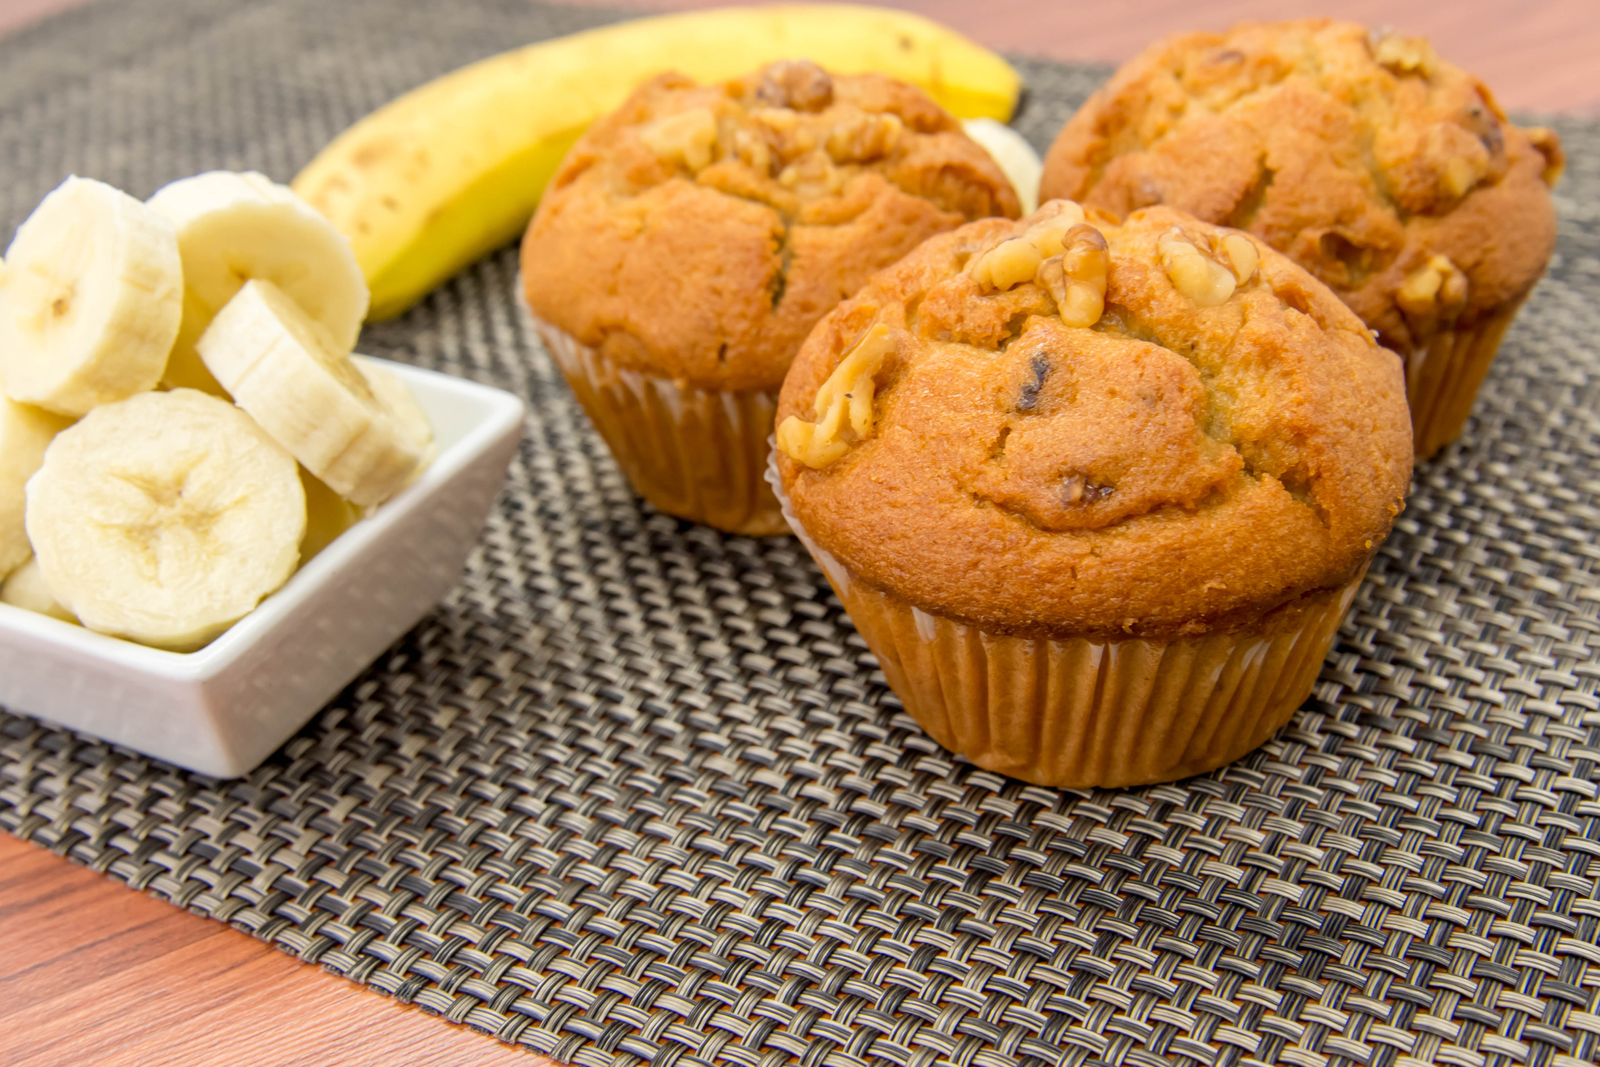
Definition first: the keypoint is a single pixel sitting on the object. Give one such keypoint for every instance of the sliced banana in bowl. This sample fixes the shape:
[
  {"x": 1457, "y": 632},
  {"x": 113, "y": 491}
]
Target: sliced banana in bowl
[
  {"x": 165, "y": 518},
  {"x": 234, "y": 227},
  {"x": 396, "y": 397},
  {"x": 284, "y": 368},
  {"x": 90, "y": 299},
  {"x": 268, "y": 543},
  {"x": 27, "y": 589},
  {"x": 327, "y": 516},
  {"x": 223, "y": 708},
  {"x": 25, "y": 432}
]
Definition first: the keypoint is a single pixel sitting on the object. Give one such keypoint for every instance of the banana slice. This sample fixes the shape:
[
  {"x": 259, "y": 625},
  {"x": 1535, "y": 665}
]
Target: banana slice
[
  {"x": 90, "y": 299},
  {"x": 165, "y": 518},
  {"x": 234, "y": 227},
  {"x": 184, "y": 368},
  {"x": 27, "y": 589},
  {"x": 25, "y": 432},
  {"x": 327, "y": 516},
  {"x": 327, "y": 513},
  {"x": 302, "y": 387},
  {"x": 396, "y": 396}
]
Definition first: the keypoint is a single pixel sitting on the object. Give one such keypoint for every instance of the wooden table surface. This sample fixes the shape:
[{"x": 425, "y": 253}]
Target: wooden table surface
[{"x": 94, "y": 972}]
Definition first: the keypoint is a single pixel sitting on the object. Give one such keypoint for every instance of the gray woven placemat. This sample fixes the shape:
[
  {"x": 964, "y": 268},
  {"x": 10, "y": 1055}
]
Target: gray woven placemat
[{"x": 636, "y": 791}]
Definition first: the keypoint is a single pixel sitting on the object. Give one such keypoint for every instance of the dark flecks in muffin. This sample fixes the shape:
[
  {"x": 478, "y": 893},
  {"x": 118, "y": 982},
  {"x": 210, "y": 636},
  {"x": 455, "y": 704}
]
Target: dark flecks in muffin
[
  {"x": 1480, "y": 122},
  {"x": 1028, "y": 398},
  {"x": 1078, "y": 491}
]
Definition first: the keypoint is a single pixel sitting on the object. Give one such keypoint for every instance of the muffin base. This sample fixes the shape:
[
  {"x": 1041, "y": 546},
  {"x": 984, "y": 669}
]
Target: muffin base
[
  {"x": 1081, "y": 713},
  {"x": 1442, "y": 379},
  {"x": 699, "y": 454}
]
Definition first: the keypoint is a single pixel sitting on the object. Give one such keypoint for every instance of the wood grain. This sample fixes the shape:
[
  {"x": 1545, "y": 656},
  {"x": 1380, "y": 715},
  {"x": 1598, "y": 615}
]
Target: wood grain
[{"x": 94, "y": 972}]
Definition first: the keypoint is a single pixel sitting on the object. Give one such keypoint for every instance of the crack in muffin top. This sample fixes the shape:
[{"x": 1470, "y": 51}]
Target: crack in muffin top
[
  {"x": 698, "y": 232},
  {"x": 1220, "y": 440},
  {"x": 1391, "y": 175}
]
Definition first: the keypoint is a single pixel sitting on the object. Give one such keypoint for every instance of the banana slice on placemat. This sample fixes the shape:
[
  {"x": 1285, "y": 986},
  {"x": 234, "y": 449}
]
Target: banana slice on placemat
[
  {"x": 165, "y": 517},
  {"x": 294, "y": 379},
  {"x": 90, "y": 299},
  {"x": 234, "y": 227}
]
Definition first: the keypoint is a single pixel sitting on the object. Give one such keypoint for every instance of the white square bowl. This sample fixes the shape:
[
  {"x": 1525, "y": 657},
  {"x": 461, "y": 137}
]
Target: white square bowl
[{"x": 225, "y": 708}]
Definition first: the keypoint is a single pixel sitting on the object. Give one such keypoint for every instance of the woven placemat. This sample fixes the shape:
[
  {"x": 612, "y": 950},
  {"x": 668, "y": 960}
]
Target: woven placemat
[{"x": 636, "y": 791}]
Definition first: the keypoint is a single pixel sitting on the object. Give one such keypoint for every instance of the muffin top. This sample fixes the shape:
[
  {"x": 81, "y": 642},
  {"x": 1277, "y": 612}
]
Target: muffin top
[
  {"x": 1391, "y": 175},
  {"x": 1063, "y": 427},
  {"x": 699, "y": 232}
]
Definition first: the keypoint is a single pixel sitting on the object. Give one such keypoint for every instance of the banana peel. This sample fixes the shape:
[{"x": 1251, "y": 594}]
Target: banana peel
[{"x": 452, "y": 170}]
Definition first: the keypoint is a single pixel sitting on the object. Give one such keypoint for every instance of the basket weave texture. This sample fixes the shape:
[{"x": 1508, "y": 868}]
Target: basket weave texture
[{"x": 636, "y": 792}]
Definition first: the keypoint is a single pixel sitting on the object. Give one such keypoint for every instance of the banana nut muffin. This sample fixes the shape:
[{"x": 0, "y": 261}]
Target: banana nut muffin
[
  {"x": 1391, "y": 175},
  {"x": 1097, "y": 496},
  {"x": 692, "y": 238}
]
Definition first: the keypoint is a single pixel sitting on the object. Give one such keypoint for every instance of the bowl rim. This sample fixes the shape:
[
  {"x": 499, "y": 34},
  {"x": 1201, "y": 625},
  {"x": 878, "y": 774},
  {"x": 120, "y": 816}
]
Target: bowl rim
[{"x": 500, "y": 411}]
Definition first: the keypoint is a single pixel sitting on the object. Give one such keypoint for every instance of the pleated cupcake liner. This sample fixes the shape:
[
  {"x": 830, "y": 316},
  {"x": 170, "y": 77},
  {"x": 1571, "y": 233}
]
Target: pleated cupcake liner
[
  {"x": 1443, "y": 376},
  {"x": 1089, "y": 712},
  {"x": 699, "y": 454}
]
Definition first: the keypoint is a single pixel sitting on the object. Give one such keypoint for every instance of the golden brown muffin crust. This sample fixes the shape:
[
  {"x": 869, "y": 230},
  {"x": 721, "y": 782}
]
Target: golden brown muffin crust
[
  {"x": 1172, "y": 469},
  {"x": 1362, "y": 156},
  {"x": 698, "y": 232}
]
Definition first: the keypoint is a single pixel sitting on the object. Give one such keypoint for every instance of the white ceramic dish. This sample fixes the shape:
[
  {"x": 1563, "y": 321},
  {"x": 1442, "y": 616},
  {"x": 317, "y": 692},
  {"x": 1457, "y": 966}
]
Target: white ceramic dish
[{"x": 223, "y": 709}]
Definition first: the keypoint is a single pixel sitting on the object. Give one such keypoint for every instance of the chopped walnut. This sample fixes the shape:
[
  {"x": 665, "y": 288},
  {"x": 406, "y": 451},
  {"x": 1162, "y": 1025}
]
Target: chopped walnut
[
  {"x": 863, "y": 137},
  {"x": 752, "y": 150},
  {"x": 1242, "y": 256},
  {"x": 1049, "y": 233},
  {"x": 843, "y": 405},
  {"x": 1404, "y": 55},
  {"x": 781, "y": 121},
  {"x": 797, "y": 84},
  {"x": 813, "y": 173},
  {"x": 1437, "y": 289},
  {"x": 1456, "y": 158},
  {"x": 689, "y": 136},
  {"x": 1007, "y": 265},
  {"x": 1060, "y": 253},
  {"x": 1203, "y": 280},
  {"x": 1076, "y": 278}
]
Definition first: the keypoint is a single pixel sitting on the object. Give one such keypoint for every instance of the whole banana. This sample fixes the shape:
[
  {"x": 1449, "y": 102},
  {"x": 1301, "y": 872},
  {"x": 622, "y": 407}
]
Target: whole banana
[{"x": 452, "y": 170}]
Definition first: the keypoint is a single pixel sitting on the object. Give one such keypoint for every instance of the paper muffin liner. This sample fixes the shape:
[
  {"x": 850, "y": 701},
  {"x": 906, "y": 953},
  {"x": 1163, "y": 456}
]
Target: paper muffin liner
[
  {"x": 1081, "y": 712},
  {"x": 1442, "y": 379},
  {"x": 699, "y": 454}
]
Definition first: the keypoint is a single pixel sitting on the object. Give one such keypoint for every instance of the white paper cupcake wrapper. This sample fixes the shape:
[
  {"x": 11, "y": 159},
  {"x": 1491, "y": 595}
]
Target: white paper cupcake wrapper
[
  {"x": 1442, "y": 379},
  {"x": 699, "y": 454},
  {"x": 1079, "y": 712}
]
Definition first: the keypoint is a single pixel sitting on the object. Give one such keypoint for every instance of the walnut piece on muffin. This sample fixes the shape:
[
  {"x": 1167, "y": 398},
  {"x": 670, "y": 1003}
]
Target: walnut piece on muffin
[
  {"x": 1388, "y": 173},
  {"x": 1096, "y": 495},
  {"x": 697, "y": 233},
  {"x": 1149, "y": 429}
]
